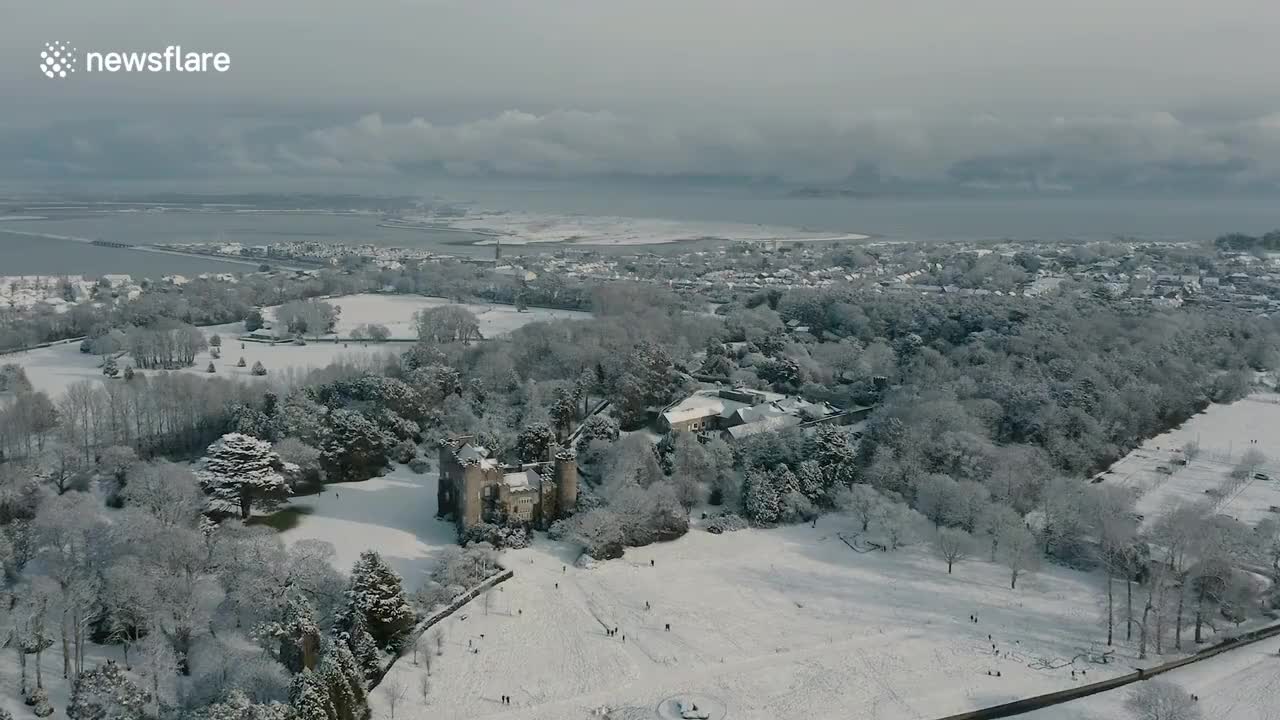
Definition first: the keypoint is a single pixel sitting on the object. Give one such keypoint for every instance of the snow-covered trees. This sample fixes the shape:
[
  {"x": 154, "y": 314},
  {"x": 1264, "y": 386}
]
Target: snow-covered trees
[
  {"x": 446, "y": 324},
  {"x": 106, "y": 693},
  {"x": 902, "y": 525},
  {"x": 863, "y": 502},
  {"x": 534, "y": 442},
  {"x": 1020, "y": 552},
  {"x": 354, "y": 448},
  {"x": 240, "y": 474},
  {"x": 761, "y": 500},
  {"x": 598, "y": 531},
  {"x": 376, "y": 594},
  {"x": 258, "y": 369},
  {"x": 597, "y": 427},
  {"x": 1161, "y": 700}
]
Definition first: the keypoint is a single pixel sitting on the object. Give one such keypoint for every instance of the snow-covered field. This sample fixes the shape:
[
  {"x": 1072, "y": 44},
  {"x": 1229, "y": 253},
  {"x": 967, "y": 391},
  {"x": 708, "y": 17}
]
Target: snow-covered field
[
  {"x": 1243, "y": 684},
  {"x": 1225, "y": 433},
  {"x": 52, "y": 369},
  {"x": 396, "y": 312},
  {"x": 394, "y": 514},
  {"x": 772, "y": 623},
  {"x": 521, "y": 228}
]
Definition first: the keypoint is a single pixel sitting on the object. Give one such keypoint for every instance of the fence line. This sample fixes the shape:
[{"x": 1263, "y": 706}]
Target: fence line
[
  {"x": 434, "y": 618},
  {"x": 1026, "y": 705}
]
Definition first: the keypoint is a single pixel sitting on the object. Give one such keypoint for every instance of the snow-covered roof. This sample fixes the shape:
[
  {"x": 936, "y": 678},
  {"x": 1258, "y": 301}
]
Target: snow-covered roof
[
  {"x": 772, "y": 422},
  {"x": 478, "y": 453},
  {"x": 700, "y": 405},
  {"x": 522, "y": 480}
]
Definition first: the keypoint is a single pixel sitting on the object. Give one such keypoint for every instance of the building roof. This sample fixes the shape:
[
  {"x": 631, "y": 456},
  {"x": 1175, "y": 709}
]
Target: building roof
[
  {"x": 478, "y": 453},
  {"x": 522, "y": 480},
  {"x": 772, "y": 422},
  {"x": 700, "y": 405}
]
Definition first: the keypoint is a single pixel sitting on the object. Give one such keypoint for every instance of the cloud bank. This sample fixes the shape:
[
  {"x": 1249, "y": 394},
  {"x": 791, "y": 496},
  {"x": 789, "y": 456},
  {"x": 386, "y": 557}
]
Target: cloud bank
[{"x": 887, "y": 148}]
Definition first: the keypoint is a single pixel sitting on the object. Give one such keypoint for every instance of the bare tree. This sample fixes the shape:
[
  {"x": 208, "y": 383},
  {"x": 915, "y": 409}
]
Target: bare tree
[
  {"x": 953, "y": 545},
  {"x": 396, "y": 690},
  {"x": 902, "y": 525},
  {"x": 1162, "y": 700},
  {"x": 1116, "y": 529},
  {"x": 863, "y": 502},
  {"x": 1191, "y": 451},
  {"x": 1019, "y": 552},
  {"x": 486, "y": 601},
  {"x": 424, "y": 688},
  {"x": 437, "y": 639}
]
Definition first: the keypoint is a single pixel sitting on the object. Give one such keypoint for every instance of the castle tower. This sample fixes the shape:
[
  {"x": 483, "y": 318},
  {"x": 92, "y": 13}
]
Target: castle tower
[
  {"x": 497, "y": 250},
  {"x": 470, "y": 504},
  {"x": 566, "y": 482}
]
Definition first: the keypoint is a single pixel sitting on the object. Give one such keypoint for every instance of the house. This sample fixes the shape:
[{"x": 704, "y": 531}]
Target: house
[{"x": 736, "y": 413}]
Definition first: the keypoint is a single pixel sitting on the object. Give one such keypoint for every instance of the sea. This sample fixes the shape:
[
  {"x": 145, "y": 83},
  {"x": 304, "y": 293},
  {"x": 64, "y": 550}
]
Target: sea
[{"x": 1044, "y": 218}]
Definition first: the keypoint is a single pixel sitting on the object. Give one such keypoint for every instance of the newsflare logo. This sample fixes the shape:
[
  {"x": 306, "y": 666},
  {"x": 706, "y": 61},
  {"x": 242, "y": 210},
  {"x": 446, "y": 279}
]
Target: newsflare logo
[{"x": 59, "y": 60}]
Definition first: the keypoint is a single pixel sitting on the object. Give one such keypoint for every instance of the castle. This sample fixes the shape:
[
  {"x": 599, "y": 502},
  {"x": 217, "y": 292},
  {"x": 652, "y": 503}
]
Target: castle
[{"x": 475, "y": 488}]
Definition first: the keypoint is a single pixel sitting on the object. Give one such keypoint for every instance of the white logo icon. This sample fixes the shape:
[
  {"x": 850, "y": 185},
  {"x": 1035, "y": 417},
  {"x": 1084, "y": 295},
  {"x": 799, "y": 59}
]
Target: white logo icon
[{"x": 58, "y": 59}]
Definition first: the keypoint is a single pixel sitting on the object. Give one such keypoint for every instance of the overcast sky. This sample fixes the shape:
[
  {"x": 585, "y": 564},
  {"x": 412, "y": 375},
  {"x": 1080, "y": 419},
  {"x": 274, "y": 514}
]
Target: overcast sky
[{"x": 988, "y": 93}]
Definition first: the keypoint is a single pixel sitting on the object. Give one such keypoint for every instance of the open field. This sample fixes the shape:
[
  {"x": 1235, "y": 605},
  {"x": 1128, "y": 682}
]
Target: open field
[
  {"x": 394, "y": 514},
  {"x": 53, "y": 368},
  {"x": 396, "y": 312},
  {"x": 1225, "y": 433},
  {"x": 773, "y": 623}
]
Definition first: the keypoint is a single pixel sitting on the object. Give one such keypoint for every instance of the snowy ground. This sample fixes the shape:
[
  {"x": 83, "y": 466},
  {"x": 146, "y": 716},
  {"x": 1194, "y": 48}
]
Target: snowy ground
[
  {"x": 394, "y": 514},
  {"x": 52, "y": 369},
  {"x": 1224, "y": 433},
  {"x": 1242, "y": 684},
  {"x": 396, "y": 312},
  {"x": 51, "y": 667},
  {"x": 773, "y": 624},
  {"x": 769, "y": 623},
  {"x": 521, "y": 228}
]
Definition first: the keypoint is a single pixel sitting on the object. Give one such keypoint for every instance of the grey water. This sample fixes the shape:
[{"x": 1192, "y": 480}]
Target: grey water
[{"x": 1043, "y": 218}]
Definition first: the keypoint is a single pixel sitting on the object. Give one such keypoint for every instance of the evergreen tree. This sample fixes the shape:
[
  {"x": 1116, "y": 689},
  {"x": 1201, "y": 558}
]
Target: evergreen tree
[
  {"x": 836, "y": 456},
  {"x": 109, "y": 367},
  {"x": 784, "y": 480},
  {"x": 237, "y": 706},
  {"x": 241, "y": 473},
  {"x": 309, "y": 697},
  {"x": 377, "y": 596},
  {"x": 258, "y": 369},
  {"x": 299, "y": 635},
  {"x": 355, "y": 448},
  {"x": 211, "y": 369},
  {"x": 345, "y": 681},
  {"x": 363, "y": 648},
  {"x": 811, "y": 481},
  {"x": 533, "y": 441},
  {"x": 761, "y": 502},
  {"x": 241, "y": 362}
]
